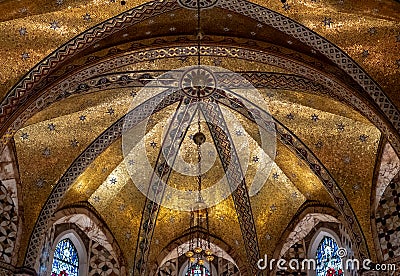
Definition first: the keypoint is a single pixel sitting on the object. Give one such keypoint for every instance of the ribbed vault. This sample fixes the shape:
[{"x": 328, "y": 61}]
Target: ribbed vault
[{"x": 328, "y": 114}]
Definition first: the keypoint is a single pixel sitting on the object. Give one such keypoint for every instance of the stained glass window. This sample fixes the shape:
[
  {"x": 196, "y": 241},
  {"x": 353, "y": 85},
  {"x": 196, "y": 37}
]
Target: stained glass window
[
  {"x": 65, "y": 259},
  {"x": 328, "y": 260},
  {"x": 197, "y": 270}
]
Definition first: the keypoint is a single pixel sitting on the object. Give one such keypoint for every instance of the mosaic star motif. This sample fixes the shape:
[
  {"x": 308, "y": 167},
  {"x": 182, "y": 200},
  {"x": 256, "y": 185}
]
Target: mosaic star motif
[
  {"x": 24, "y": 136},
  {"x": 217, "y": 62},
  {"x": 86, "y": 17},
  {"x": 290, "y": 116},
  {"x": 51, "y": 127},
  {"x": 22, "y": 31},
  {"x": 239, "y": 132},
  {"x": 372, "y": 31},
  {"x": 40, "y": 183},
  {"x": 327, "y": 21},
  {"x": 74, "y": 143},
  {"x": 54, "y": 25},
  {"x": 363, "y": 138},
  {"x": 319, "y": 144},
  {"x": 286, "y": 6},
  {"x": 46, "y": 152},
  {"x": 110, "y": 111},
  {"x": 25, "y": 56},
  {"x": 153, "y": 144},
  {"x": 340, "y": 127}
]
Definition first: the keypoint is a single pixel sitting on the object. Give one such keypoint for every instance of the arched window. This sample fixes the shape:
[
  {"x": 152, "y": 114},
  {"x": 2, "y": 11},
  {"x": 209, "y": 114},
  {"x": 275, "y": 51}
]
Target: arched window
[
  {"x": 197, "y": 270},
  {"x": 328, "y": 260},
  {"x": 65, "y": 259}
]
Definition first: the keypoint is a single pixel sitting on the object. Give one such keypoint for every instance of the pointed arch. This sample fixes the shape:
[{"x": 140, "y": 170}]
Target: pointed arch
[
  {"x": 69, "y": 254},
  {"x": 324, "y": 249}
]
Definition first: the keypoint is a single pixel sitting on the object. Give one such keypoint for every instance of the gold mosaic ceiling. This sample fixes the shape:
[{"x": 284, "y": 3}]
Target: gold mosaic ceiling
[
  {"x": 369, "y": 32},
  {"x": 80, "y": 119}
]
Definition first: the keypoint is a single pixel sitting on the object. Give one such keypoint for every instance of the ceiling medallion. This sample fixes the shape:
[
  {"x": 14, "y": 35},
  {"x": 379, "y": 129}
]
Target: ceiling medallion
[
  {"x": 198, "y": 82},
  {"x": 193, "y": 4}
]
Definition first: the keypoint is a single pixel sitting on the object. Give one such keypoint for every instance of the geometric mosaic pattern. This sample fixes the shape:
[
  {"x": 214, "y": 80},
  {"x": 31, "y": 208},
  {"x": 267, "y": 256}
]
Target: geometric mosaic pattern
[
  {"x": 388, "y": 220},
  {"x": 8, "y": 225},
  {"x": 296, "y": 252},
  {"x": 266, "y": 80},
  {"x": 389, "y": 167},
  {"x": 235, "y": 177},
  {"x": 329, "y": 82},
  {"x": 101, "y": 262},
  {"x": 177, "y": 130}
]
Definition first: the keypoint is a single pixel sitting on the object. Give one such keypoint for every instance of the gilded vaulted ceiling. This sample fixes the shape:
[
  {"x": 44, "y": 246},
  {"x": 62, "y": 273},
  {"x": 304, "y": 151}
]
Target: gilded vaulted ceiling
[
  {"x": 343, "y": 140},
  {"x": 55, "y": 136}
]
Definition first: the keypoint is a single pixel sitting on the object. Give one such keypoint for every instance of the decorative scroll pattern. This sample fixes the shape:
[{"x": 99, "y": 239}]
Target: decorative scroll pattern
[
  {"x": 166, "y": 158},
  {"x": 234, "y": 174},
  {"x": 302, "y": 151},
  {"x": 84, "y": 160},
  {"x": 265, "y": 80}
]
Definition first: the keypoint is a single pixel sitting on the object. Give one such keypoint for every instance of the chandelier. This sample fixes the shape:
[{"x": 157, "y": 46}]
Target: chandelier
[{"x": 199, "y": 246}]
